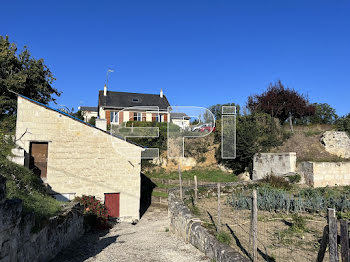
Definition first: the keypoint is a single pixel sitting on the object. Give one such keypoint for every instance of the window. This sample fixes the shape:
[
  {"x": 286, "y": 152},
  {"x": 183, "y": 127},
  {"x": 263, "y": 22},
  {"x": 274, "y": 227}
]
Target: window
[
  {"x": 115, "y": 117},
  {"x": 158, "y": 118},
  {"x": 136, "y": 100},
  {"x": 137, "y": 116}
]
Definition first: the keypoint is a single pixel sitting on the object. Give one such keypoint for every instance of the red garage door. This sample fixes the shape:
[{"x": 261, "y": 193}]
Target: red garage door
[{"x": 112, "y": 204}]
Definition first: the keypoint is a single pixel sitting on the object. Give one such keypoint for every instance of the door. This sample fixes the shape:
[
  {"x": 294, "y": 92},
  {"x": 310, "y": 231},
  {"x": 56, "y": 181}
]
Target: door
[
  {"x": 38, "y": 158},
  {"x": 112, "y": 204}
]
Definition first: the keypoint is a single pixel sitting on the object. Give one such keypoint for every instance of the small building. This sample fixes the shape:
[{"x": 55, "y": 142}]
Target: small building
[
  {"x": 180, "y": 119},
  {"x": 74, "y": 158},
  {"x": 88, "y": 112},
  {"x": 115, "y": 107}
]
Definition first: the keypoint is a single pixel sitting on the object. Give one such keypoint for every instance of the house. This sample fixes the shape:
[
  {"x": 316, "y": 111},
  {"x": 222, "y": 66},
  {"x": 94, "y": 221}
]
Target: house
[
  {"x": 116, "y": 107},
  {"x": 180, "y": 119},
  {"x": 88, "y": 112},
  {"x": 74, "y": 158}
]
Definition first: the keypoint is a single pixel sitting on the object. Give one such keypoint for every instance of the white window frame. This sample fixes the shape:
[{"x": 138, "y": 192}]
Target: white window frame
[{"x": 114, "y": 117}]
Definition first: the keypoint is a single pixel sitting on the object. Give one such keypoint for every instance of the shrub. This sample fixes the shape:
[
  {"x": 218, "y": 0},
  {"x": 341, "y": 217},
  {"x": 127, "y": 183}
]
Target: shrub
[
  {"x": 294, "y": 179},
  {"x": 224, "y": 237},
  {"x": 96, "y": 213},
  {"x": 255, "y": 133},
  {"x": 299, "y": 223},
  {"x": 276, "y": 181}
]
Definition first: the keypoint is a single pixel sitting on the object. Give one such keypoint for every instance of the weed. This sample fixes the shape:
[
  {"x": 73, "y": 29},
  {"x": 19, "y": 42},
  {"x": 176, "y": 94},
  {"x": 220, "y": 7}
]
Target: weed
[
  {"x": 166, "y": 229},
  {"x": 224, "y": 237},
  {"x": 294, "y": 179},
  {"x": 276, "y": 181}
]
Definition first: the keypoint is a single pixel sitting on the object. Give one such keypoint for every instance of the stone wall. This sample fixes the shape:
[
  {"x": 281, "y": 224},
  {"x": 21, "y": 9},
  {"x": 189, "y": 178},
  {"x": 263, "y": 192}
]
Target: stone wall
[
  {"x": 336, "y": 143},
  {"x": 82, "y": 159},
  {"x": 19, "y": 243},
  {"x": 321, "y": 174},
  {"x": 277, "y": 163},
  {"x": 187, "y": 227}
]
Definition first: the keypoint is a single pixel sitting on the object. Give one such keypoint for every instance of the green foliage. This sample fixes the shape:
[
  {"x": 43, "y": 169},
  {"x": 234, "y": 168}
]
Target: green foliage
[
  {"x": 324, "y": 114},
  {"x": 79, "y": 115},
  {"x": 23, "y": 184},
  {"x": 22, "y": 73},
  {"x": 255, "y": 133},
  {"x": 217, "y": 109},
  {"x": 276, "y": 181},
  {"x": 152, "y": 142},
  {"x": 294, "y": 179},
  {"x": 224, "y": 237},
  {"x": 299, "y": 223},
  {"x": 343, "y": 124},
  {"x": 92, "y": 121},
  {"x": 310, "y": 200}
]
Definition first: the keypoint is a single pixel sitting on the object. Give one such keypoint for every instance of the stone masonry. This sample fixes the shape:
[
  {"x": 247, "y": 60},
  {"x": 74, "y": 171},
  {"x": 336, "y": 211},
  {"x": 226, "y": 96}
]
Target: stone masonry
[
  {"x": 336, "y": 143},
  {"x": 273, "y": 163},
  {"x": 19, "y": 243},
  {"x": 82, "y": 159}
]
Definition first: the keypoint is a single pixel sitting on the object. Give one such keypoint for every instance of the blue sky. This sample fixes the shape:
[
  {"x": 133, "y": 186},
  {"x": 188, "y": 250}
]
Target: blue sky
[{"x": 199, "y": 52}]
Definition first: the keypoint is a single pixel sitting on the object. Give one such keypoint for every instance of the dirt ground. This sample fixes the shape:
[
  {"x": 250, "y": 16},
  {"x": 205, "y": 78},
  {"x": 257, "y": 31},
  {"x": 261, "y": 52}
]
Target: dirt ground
[
  {"x": 149, "y": 240},
  {"x": 276, "y": 239}
]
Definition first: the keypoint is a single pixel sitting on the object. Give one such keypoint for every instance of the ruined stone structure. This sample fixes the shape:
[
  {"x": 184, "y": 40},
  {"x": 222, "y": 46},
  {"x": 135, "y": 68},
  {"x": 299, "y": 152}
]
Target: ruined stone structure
[
  {"x": 336, "y": 143},
  {"x": 19, "y": 243},
  {"x": 321, "y": 174},
  {"x": 277, "y": 164}
]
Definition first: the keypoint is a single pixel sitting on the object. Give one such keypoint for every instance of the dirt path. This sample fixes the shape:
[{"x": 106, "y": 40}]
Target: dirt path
[{"x": 146, "y": 241}]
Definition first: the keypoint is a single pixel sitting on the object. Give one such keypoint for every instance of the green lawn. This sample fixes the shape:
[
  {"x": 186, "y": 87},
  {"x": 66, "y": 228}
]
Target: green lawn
[{"x": 209, "y": 175}]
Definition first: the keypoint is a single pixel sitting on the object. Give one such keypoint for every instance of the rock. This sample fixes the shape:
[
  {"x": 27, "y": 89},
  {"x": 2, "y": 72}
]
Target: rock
[
  {"x": 244, "y": 176},
  {"x": 336, "y": 143}
]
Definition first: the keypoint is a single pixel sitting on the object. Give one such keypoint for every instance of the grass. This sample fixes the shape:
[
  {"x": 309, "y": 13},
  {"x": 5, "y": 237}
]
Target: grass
[
  {"x": 23, "y": 184},
  {"x": 205, "y": 175},
  {"x": 224, "y": 237},
  {"x": 159, "y": 194}
]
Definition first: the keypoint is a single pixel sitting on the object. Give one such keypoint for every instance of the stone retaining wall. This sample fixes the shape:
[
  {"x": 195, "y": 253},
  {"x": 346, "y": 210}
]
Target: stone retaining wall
[
  {"x": 19, "y": 243},
  {"x": 321, "y": 174},
  {"x": 273, "y": 163},
  {"x": 188, "y": 227},
  {"x": 336, "y": 143}
]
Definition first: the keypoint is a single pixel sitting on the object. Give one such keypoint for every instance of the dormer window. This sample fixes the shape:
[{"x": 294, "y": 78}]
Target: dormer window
[{"x": 136, "y": 100}]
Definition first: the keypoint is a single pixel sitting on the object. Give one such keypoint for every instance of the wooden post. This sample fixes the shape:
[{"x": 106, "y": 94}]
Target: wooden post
[
  {"x": 344, "y": 240},
  {"x": 254, "y": 227},
  {"x": 333, "y": 234},
  {"x": 323, "y": 246},
  {"x": 219, "y": 209},
  {"x": 180, "y": 181},
  {"x": 195, "y": 190}
]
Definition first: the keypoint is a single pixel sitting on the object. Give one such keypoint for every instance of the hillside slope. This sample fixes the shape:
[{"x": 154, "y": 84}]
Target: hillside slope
[{"x": 305, "y": 141}]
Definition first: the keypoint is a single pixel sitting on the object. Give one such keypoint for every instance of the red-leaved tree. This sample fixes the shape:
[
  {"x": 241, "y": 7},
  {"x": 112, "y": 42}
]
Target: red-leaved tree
[{"x": 281, "y": 103}]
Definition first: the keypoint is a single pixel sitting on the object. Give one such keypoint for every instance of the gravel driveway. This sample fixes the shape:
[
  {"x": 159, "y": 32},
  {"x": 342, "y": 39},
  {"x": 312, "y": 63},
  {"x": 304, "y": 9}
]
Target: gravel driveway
[{"x": 146, "y": 241}]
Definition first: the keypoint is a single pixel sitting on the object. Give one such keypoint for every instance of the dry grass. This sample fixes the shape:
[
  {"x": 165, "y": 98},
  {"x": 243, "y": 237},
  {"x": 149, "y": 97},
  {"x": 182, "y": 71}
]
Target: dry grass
[
  {"x": 306, "y": 143},
  {"x": 280, "y": 236}
]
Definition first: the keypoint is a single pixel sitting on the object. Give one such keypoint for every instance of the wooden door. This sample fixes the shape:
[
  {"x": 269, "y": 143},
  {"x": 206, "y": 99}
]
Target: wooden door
[
  {"x": 112, "y": 204},
  {"x": 38, "y": 158}
]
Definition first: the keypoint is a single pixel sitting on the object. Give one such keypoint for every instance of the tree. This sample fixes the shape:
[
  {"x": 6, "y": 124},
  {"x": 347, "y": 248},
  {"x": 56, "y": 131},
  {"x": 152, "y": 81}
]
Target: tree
[
  {"x": 23, "y": 74},
  {"x": 217, "y": 109},
  {"x": 343, "y": 124},
  {"x": 281, "y": 102},
  {"x": 92, "y": 121},
  {"x": 324, "y": 114},
  {"x": 255, "y": 133}
]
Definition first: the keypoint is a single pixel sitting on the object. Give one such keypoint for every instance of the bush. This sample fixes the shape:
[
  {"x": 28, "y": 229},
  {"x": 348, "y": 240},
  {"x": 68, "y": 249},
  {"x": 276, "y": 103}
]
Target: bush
[
  {"x": 224, "y": 237},
  {"x": 23, "y": 184},
  {"x": 276, "y": 181},
  {"x": 255, "y": 133},
  {"x": 343, "y": 124},
  {"x": 96, "y": 213},
  {"x": 294, "y": 179}
]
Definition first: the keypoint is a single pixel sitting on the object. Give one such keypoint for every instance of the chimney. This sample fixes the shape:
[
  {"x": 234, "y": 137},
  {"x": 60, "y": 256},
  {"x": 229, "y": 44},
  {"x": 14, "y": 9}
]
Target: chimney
[
  {"x": 105, "y": 90},
  {"x": 161, "y": 93}
]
